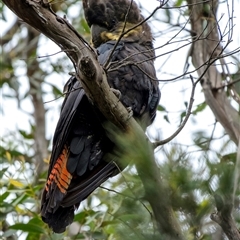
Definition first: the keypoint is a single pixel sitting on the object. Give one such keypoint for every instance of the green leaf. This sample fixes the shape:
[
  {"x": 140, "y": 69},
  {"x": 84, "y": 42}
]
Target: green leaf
[
  {"x": 85, "y": 25},
  {"x": 203, "y": 208},
  {"x": 3, "y": 170},
  {"x": 37, "y": 222},
  {"x": 80, "y": 217},
  {"x": 4, "y": 196},
  {"x": 178, "y": 3},
  {"x": 29, "y": 227},
  {"x": 107, "y": 223},
  {"x": 56, "y": 91},
  {"x": 19, "y": 199},
  {"x": 33, "y": 236},
  {"x": 161, "y": 108},
  {"x": 25, "y": 134},
  {"x": 183, "y": 114},
  {"x": 166, "y": 118},
  {"x": 200, "y": 107},
  {"x": 230, "y": 157}
]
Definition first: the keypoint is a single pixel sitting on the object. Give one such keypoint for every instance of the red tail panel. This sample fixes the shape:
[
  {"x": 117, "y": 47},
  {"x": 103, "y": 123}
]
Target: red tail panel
[{"x": 59, "y": 173}]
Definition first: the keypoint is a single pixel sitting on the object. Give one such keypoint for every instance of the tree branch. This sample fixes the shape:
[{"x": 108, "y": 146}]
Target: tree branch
[
  {"x": 39, "y": 112},
  {"x": 38, "y": 14},
  {"x": 204, "y": 52},
  {"x": 182, "y": 125},
  {"x": 80, "y": 53},
  {"x": 224, "y": 218}
]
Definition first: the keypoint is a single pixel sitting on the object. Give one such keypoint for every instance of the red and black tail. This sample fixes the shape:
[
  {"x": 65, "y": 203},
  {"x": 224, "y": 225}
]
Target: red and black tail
[
  {"x": 77, "y": 165},
  {"x": 58, "y": 207}
]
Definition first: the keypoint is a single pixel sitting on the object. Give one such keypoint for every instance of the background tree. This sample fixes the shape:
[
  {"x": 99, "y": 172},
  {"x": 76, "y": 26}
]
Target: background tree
[{"x": 121, "y": 209}]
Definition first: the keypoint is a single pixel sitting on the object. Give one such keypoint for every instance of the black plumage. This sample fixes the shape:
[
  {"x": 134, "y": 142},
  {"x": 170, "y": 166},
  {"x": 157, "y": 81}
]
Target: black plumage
[{"x": 80, "y": 144}]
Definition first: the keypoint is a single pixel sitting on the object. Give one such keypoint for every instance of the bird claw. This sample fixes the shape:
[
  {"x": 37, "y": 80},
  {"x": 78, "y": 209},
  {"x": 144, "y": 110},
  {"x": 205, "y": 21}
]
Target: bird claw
[
  {"x": 130, "y": 112},
  {"x": 116, "y": 92}
]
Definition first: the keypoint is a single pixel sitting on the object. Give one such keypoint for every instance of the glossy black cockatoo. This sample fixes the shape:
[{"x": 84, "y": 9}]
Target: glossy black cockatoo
[{"x": 78, "y": 164}]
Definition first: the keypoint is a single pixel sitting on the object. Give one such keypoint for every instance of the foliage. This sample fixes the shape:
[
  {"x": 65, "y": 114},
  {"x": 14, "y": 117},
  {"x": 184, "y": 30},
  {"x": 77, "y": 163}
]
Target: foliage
[
  {"x": 194, "y": 174},
  {"x": 123, "y": 213}
]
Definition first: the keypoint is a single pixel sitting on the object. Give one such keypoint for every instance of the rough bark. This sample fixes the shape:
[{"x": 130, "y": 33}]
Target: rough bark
[
  {"x": 38, "y": 15},
  {"x": 223, "y": 217},
  {"x": 204, "y": 53}
]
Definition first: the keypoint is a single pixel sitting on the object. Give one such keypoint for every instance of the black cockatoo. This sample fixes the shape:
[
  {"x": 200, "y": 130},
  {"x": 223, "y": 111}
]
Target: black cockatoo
[{"x": 78, "y": 164}]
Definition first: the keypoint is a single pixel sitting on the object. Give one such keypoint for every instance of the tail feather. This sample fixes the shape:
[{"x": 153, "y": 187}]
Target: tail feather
[
  {"x": 81, "y": 190},
  {"x": 58, "y": 218}
]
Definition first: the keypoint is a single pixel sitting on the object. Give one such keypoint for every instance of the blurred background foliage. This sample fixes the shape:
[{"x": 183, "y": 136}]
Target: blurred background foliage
[{"x": 195, "y": 170}]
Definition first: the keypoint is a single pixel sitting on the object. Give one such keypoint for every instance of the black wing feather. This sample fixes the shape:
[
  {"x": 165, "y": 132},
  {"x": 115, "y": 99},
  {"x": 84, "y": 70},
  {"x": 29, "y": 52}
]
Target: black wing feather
[{"x": 80, "y": 141}]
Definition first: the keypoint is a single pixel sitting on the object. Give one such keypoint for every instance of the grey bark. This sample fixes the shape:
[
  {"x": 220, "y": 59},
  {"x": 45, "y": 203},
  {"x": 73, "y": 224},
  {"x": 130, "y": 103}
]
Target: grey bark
[
  {"x": 38, "y": 15},
  {"x": 205, "y": 52}
]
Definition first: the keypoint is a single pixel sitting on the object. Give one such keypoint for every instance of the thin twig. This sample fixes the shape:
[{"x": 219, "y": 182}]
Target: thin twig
[{"x": 159, "y": 143}]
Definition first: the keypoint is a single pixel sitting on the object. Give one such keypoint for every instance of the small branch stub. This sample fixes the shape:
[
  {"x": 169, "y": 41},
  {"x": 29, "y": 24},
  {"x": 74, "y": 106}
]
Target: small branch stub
[{"x": 87, "y": 68}]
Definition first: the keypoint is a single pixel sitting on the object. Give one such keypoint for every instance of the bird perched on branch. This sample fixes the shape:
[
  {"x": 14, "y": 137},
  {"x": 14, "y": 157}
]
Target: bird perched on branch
[{"x": 78, "y": 163}]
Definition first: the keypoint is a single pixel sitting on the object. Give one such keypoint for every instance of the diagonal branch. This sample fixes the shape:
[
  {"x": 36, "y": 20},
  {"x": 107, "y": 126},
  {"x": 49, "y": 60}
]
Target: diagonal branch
[
  {"x": 38, "y": 14},
  {"x": 80, "y": 53}
]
